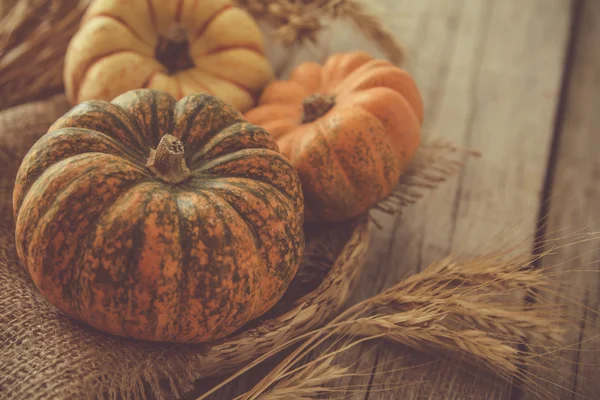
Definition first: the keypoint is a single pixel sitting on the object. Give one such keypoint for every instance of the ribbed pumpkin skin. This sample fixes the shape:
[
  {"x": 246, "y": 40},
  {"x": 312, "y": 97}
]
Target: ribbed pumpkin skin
[
  {"x": 115, "y": 51},
  {"x": 352, "y": 156},
  {"x": 109, "y": 243}
]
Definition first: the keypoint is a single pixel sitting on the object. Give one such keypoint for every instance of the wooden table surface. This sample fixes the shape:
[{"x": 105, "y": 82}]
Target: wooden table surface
[{"x": 519, "y": 81}]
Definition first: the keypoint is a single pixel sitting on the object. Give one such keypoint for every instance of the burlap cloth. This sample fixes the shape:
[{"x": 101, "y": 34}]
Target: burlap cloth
[{"x": 45, "y": 355}]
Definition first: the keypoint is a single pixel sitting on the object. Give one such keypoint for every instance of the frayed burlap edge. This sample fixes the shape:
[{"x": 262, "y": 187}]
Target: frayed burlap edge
[{"x": 47, "y": 355}]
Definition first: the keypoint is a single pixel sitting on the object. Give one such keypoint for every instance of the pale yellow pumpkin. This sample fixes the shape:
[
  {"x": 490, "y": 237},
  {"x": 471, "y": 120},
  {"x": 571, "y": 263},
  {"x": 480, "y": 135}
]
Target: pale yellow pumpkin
[{"x": 118, "y": 46}]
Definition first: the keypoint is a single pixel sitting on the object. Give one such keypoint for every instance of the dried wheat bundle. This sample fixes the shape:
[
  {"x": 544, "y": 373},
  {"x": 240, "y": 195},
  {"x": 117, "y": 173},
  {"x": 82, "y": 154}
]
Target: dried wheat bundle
[
  {"x": 296, "y": 22},
  {"x": 33, "y": 37},
  {"x": 474, "y": 308}
]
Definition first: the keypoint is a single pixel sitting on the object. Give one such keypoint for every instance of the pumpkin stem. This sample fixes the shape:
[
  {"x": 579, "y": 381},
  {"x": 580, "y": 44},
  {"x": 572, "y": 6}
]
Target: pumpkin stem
[
  {"x": 173, "y": 54},
  {"x": 167, "y": 162},
  {"x": 315, "y": 106}
]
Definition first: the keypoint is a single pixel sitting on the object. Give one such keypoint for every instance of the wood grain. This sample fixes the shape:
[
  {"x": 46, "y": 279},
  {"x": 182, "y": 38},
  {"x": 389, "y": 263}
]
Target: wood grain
[
  {"x": 491, "y": 76},
  {"x": 574, "y": 196},
  {"x": 490, "y": 73}
]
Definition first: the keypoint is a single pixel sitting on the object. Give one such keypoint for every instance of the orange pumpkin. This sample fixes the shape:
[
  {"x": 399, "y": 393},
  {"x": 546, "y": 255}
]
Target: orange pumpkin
[
  {"x": 159, "y": 220},
  {"x": 349, "y": 127}
]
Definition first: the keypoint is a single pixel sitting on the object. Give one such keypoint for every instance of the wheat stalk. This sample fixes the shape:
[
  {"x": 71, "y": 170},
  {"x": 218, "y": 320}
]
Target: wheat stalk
[
  {"x": 296, "y": 22},
  {"x": 314, "y": 378},
  {"x": 467, "y": 307},
  {"x": 35, "y": 34},
  {"x": 308, "y": 382},
  {"x": 369, "y": 24}
]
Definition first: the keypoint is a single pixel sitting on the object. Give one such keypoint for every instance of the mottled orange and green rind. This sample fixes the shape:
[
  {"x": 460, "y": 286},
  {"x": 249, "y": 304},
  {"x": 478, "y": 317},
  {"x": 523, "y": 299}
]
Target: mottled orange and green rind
[
  {"x": 110, "y": 244},
  {"x": 351, "y": 157}
]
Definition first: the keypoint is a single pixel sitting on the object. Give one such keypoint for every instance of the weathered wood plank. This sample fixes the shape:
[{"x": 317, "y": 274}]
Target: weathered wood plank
[
  {"x": 490, "y": 74},
  {"x": 574, "y": 198}
]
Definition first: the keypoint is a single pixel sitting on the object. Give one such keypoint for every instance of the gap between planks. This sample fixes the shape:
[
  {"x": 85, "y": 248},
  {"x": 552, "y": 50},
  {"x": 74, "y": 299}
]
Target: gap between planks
[
  {"x": 479, "y": 78},
  {"x": 573, "y": 197}
]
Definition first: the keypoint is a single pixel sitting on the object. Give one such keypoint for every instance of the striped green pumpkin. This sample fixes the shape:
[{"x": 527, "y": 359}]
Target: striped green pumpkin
[{"x": 158, "y": 219}]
